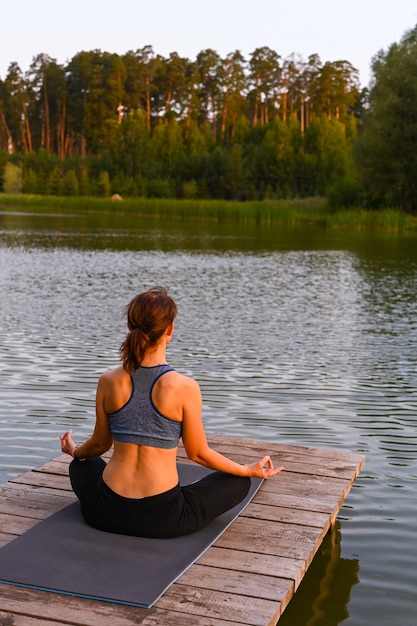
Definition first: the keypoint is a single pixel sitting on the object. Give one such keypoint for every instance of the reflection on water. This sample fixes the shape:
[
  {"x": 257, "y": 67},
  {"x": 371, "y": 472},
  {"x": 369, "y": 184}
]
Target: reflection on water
[
  {"x": 325, "y": 591},
  {"x": 295, "y": 335}
]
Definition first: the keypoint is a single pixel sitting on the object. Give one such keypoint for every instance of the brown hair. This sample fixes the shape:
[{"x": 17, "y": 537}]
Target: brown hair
[{"x": 148, "y": 316}]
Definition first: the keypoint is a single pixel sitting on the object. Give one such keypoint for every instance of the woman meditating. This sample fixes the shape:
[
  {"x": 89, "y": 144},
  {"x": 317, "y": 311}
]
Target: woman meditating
[{"x": 144, "y": 407}]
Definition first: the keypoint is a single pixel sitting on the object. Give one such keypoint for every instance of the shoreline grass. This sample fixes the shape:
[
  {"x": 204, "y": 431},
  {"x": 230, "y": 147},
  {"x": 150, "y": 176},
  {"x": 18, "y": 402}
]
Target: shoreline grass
[{"x": 310, "y": 211}]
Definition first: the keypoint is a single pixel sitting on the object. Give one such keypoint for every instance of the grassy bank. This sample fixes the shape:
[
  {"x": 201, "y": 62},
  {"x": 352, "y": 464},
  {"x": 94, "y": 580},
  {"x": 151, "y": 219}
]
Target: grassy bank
[{"x": 312, "y": 211}]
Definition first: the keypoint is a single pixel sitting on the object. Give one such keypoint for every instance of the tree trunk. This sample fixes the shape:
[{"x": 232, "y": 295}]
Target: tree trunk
[
  {"x": 224, "y": 115},
  {"x": 168, "y": 105},
  {"x": 148, "y": 102},
  {"x": 60, "y": 132},
  {"x": 10, "y": 146},
  {"x": 27, "y": 135},
  {"x": 302, "y": 116},
  {"x": 284, "y": 107},
  {"x": 47, "y": 120}
]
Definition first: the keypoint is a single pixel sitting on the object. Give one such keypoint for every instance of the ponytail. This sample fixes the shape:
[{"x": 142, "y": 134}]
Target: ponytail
[{"x": 148, "y": 316}]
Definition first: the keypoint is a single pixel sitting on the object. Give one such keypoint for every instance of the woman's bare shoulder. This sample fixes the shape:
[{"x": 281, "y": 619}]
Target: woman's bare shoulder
[
  {"x": 180, "y": 381},
  {"x": 115, "y": 376}
]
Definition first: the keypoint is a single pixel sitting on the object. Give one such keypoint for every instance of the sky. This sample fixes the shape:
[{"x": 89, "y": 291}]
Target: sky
[{"x": 353, "y": 31}]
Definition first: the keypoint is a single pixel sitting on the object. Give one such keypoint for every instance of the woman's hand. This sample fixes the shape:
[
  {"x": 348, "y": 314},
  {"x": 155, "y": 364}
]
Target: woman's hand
[
  {"x": 264, "y": 468},
  {"x": 67, "y": 444}
]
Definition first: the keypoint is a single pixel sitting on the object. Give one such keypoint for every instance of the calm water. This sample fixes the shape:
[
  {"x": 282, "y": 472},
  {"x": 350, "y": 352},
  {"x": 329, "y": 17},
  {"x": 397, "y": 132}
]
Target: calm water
[{"x": 295, "y": 335}]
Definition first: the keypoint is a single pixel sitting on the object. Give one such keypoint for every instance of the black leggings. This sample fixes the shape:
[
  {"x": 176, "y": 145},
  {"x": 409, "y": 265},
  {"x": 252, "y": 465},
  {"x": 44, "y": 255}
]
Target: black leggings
[{"x": 179, "y": 511}]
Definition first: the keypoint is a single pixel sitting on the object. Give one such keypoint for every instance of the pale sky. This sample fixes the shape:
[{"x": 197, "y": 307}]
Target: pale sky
[{"x": 353, "y": 30}]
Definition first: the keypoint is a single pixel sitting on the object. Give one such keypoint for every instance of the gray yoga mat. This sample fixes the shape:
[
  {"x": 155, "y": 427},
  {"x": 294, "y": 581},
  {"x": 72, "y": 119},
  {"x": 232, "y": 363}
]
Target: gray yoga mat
[{"x": 62, "y": 554}]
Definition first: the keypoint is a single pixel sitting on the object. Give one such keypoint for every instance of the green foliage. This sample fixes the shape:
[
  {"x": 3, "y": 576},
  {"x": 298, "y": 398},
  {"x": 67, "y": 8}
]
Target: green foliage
[
  {"x": 70, "y": 185},
  {"x": 272, "y": 212},
  {"x": 30, "y": 183},
  {"x": 55, "y": 182},
  {"x": 190, "y": 189},
  {"x": 387, "y": 148},
  {"x": 383, "y": 220},
  {"x": 4, "y": 157},
  {"x": 103, "y": 186},
  {"x": 344, "y": 193},
  {"x": 142, "y": 125},
  {"x": 160, "y": 188},
  {"x": 83, "y": 181},
  {"x": 130, "y": 146},
  {"x": 12, "y": 178}
]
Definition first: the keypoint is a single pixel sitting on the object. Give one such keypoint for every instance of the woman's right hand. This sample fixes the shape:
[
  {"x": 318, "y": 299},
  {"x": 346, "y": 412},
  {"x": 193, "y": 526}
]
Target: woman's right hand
[{"x": 67, "y": 444}]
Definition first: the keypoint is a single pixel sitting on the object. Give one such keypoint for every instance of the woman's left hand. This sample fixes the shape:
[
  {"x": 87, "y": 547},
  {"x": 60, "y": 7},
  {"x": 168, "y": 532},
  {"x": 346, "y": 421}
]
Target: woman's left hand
[
  {"x": 67, "y": 444},
  {"x": 264, "y": 468}
]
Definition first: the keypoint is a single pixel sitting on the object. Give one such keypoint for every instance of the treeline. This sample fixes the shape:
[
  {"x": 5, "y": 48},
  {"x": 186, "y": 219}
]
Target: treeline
[
  {"x": 213, "y": 127},
  {"x": 144, "y": 125}
]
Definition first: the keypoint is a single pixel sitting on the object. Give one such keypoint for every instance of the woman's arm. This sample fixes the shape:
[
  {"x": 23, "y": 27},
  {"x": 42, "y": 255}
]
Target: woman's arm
[
  {"x": 100, "y": 441},
  {"x": 197, "y": 448}
]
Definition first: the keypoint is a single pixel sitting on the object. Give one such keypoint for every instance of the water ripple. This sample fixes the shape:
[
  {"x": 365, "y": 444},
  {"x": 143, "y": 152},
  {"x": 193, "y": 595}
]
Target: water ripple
[{"x": 311, "y": 347}]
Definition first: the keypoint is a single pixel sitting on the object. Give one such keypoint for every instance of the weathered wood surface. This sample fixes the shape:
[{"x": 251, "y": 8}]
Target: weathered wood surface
[{"x": 247, "y": 577}]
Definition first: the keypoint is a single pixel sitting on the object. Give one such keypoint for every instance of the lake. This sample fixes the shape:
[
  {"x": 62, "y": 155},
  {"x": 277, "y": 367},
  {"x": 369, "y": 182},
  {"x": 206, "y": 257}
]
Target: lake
[{"x": 296, "y": 335}]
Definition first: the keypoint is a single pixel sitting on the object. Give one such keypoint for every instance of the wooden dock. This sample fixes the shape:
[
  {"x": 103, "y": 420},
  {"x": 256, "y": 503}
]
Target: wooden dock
[{"x": 247, "y": 577}]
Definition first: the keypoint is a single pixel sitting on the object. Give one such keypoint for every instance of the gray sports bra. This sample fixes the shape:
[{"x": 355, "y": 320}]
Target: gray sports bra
[{"x": 139, "y": 421}]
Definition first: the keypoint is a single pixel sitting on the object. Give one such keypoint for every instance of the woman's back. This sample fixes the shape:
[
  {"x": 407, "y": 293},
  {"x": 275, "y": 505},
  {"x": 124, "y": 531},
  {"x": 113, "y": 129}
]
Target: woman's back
[{"x": 138, "y": 470}]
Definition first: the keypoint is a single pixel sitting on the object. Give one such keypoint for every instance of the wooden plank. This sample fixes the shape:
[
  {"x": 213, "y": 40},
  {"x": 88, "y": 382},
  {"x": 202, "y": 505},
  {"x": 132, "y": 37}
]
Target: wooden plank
[
  {"x": 5, "y": 538},
  {"x": 83, "y": 612},
  {"x": 9, "y": 619},
  {"x": 42, "y": 479},
  {"x": 324, "y": 465},
  {"x": 233, "y": 445},
  {"x": 274, "y": 532},
  {"x": 209, "y": 604},
  {"x": 15, "y": 524},
  {"x": 254, "y": 563},
  {"x": 58, "y": 466},
  {"x": 32, "y": 509},
  {"x": 249, "y": 533},
  {"x": 36, "y": 493},
  {"x": 247, "y": 577},
  {"x": 281, "y": 514},
  {"x": 235, "y": 581}
]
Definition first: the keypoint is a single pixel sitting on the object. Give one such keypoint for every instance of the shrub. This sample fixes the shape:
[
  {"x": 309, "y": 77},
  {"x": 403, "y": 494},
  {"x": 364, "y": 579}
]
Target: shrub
[
  {"x": 343, "y": 194},
  {"x": 12, "y": 179}
]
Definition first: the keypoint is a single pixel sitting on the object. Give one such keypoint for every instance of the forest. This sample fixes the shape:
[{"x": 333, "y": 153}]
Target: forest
[{"x": 142, "y": 125}]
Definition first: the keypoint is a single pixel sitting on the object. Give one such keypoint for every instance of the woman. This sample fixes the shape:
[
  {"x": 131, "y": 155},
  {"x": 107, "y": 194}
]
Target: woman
[{"x": 143, "y": 407}]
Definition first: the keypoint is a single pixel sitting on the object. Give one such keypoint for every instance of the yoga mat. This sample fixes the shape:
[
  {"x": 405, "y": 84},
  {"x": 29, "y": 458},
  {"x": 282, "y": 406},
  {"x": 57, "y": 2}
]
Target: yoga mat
[{"x": 62, "y": 554}]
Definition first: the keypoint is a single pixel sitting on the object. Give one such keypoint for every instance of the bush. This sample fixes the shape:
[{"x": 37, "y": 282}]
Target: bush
[
  {"x": 70, "y": 185},
  {"x": 55, "y": 182},
  {"x": 159, "y": 188},
  {"x": 103, "y": 187},
  {"x": 12, "y": 179},
  {"x": 30, "y": 182},
  {"x": 190, "y": 189},
  {"x": 344, "y": 194}
]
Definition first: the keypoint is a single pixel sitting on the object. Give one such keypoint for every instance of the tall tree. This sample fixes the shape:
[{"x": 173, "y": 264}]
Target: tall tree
[
  {"x": 232, "y": 83},
  {"x": 387, "y": 153},
  {"x": 209, "y": 63},
  {"x": 96, "y": 91},
  {"x": 291, "y": 70},
  {"x": 265, "y": 75},
  {"x": 79, "y": 85},
  {"x": 171, "y": 83},
  {"x": 334, "y": 89},
  {"x": 47, "y": 81},
  {"x": 141, "y": 67},
  {"x": 130, "y": 147},
  {"x": 308, "y": 80},
  {"x": 6, "y": 137},
  {"x": 18, "y": 87}
]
